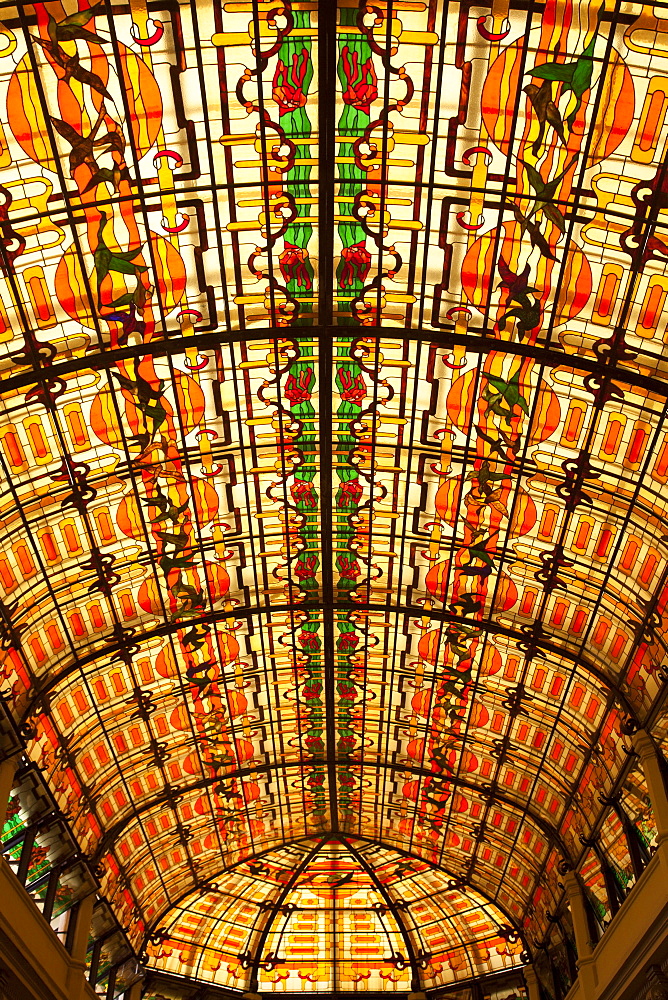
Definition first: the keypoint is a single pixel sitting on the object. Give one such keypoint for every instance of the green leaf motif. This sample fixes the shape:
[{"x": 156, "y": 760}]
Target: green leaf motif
[
  {"x": 555, "y": 216},
  {"x": 535, "y": 179},
  {"x": 554, "y": 72},
  {"x": 575, "y": 76}
]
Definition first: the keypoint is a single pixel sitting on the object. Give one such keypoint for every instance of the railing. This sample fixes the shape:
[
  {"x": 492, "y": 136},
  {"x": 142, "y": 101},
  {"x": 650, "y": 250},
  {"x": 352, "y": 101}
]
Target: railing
[
  {"x": 44, "y": 859},
  {"x": 612, "y": 861},
  {"x": 41, "y": 855},
  {"x": 40, "y": 850}
]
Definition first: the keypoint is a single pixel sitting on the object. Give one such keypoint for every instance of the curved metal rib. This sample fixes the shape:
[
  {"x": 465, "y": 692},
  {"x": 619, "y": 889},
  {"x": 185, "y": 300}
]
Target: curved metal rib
[
  {"x": 495, "y": 795},
  {"x": 213, "y": 617},
  {"x": 283, "y": 895},
  {"x": 416, "y": 983}
]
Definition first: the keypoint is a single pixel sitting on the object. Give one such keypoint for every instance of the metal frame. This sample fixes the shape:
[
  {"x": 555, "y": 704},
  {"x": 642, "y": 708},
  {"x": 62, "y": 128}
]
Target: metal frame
[
  {"x": 542, "y": 643},
  {"x": 210, "y": 885},
  {"x": 477, "y": 341},
  {"x": 480, "y": 341},
  {"x": 273, "y": 912},
  {"x": 190, "y": 990},
  {"x": 413, "y": 958},
  {"x": 486, "y": 791}
]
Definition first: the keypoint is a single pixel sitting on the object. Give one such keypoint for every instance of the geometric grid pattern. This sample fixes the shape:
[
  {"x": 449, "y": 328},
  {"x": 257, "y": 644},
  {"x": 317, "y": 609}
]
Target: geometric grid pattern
[
  {"x": 334, "y": 929},
  {"x": 334, "y": 456}
]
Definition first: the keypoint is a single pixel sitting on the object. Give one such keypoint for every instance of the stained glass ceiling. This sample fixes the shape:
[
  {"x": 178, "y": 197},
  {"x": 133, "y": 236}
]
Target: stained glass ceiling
[{"x": 334, "y": 459}]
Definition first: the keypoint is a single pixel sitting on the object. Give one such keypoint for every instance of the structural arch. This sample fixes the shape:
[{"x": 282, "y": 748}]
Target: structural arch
[{"x": 395, "y": 937}]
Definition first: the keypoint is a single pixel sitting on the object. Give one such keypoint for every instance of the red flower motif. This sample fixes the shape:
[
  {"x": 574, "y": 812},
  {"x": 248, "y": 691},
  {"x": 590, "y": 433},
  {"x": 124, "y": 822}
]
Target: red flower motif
[
  {"x": 346, "y": 690},
  {"x": 349, "y": 494},
  {"x": 349, "y": 568},
  {"x": 299, "y": 391},
  {"x": 347, "y": 640},
  {"x": 293, "y": 265},
  {"x": 347, "y": 744},
  {"x": 361, "y": 80},
  {"x": 353, "y": 392},
  {"x": 305, "y": 568},
  {"x": 303, "y": 493},
  {"x": 288, "y": 84},
  {"x": 308, "y": 640},
  {"x": 312, "y": 691},
  {"x": 356, "y": 264},
  {"x": 38, "y": 856}
]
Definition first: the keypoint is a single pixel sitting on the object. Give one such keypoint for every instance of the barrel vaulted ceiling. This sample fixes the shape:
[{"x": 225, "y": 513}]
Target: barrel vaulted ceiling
[{"x": 334, "y": 457}]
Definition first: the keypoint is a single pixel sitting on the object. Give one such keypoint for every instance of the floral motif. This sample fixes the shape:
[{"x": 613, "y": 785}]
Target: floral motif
[
  {"x": 292, "y": 262},
  {"x": 359, "y": 79},
  {"x": 298, "y": 389},
  {"x": 356, "y": 264},
  {"x": 349, "y": 494},
  {"x": 288, "y": 83}
]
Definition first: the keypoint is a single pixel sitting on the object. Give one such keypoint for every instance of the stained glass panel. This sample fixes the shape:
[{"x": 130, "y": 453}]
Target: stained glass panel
[{"x": 333, "y": 456}]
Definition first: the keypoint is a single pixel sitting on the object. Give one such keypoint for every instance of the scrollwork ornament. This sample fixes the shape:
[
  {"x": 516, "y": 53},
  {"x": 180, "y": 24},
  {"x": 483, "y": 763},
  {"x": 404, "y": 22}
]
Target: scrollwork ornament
[
  {"x": 98, "y": 871},
  {"x": 399, "y": 962},
  {"x": 270, "y": 962},
  {"x": 459, "y": 882},
  {"x": 508, "y": 934},
  {"x": 628, "y": 725},
  {"x": 27, "y": 731},
  {"x": 423, "y": 958}
]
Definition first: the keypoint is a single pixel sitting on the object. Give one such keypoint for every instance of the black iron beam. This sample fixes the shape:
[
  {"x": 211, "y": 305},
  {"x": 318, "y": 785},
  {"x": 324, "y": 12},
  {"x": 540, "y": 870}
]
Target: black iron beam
[
  {"x": 209, "y": 884},
  {"x": 512, "y": 921},
  {"x": 327, "y": 84},
  {"x": 485, "y": 790},
  {"x": 477, "y": 343},
  {"x": 272, "y": 913},
  {"x": 416, "y": 981},
  {"x": 543, "y": 643}
]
